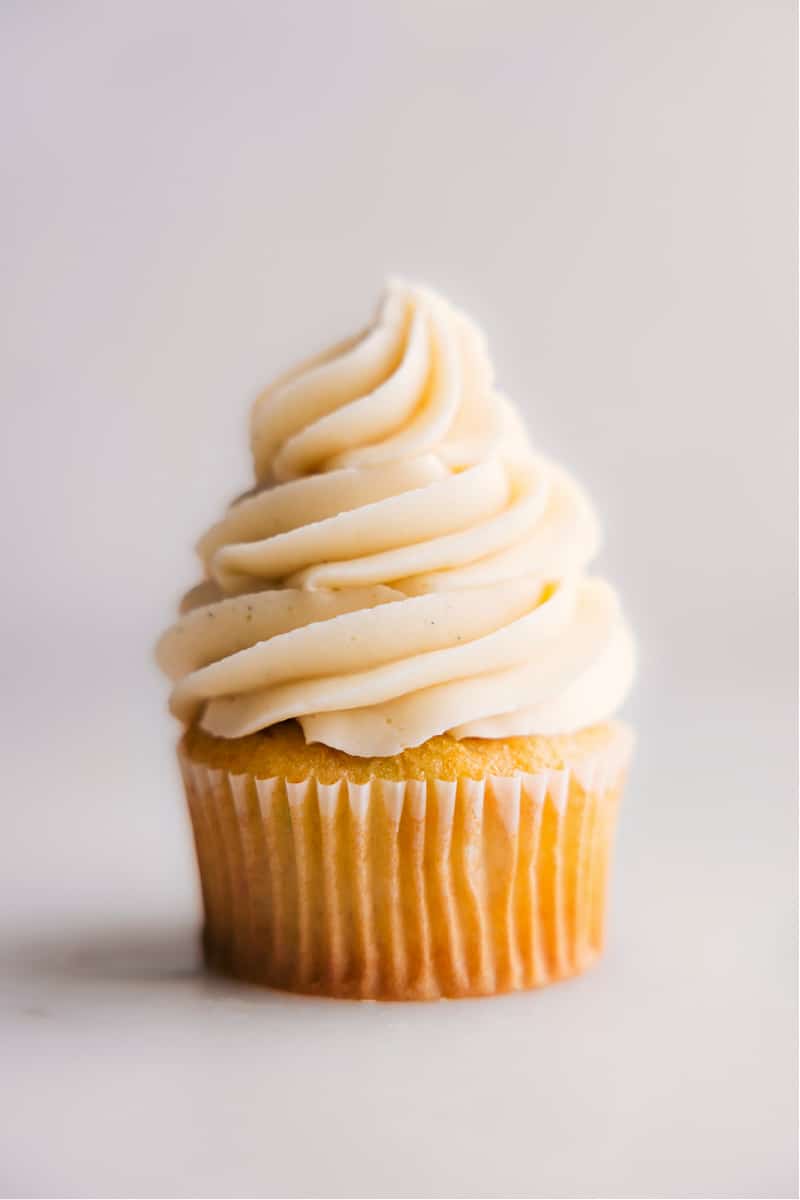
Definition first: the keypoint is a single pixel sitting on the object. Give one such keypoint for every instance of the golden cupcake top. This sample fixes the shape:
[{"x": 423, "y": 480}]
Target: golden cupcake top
[{"x": 406, "y": 564}]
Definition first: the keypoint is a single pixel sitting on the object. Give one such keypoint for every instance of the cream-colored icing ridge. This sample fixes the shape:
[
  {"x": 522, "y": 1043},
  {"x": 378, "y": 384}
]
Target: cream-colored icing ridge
[{"x": 407, "y": 565}]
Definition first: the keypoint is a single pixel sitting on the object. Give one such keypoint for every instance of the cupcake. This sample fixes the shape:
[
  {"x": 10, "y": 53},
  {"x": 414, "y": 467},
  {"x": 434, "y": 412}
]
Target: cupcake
[{"x": 398, "y": 684}]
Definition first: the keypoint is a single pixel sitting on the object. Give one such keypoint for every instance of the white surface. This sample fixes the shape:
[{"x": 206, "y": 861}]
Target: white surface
[{"x": 198, "y": 193}]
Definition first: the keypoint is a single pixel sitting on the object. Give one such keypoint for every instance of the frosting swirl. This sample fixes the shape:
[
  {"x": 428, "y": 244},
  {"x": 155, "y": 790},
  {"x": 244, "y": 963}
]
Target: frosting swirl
[{"x": 406, "y": 565}]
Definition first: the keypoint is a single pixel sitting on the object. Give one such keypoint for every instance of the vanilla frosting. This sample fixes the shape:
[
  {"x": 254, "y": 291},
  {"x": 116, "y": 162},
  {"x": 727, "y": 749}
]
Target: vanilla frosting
[{"x": 406, "y": 565}]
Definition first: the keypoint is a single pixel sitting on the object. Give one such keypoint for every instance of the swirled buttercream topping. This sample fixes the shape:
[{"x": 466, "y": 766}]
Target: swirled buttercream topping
[{"x": 406, "y": 565}]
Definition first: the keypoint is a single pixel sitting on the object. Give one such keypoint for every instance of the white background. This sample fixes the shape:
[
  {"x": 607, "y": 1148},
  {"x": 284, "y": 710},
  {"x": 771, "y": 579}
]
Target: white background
[{"x": 195, "y": 194}]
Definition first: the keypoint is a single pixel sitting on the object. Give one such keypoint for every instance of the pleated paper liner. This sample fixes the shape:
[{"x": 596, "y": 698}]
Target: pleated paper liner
[{"x": 411, "y": 890}]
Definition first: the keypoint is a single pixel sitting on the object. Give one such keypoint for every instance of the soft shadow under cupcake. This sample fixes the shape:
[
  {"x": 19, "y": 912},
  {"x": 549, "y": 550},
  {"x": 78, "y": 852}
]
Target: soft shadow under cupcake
[{"x": 130, "y": 954}]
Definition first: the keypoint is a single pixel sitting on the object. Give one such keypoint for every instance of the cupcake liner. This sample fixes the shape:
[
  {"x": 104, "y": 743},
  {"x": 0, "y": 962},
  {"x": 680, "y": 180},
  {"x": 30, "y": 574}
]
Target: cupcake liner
[{"x": 406, "y": 890}]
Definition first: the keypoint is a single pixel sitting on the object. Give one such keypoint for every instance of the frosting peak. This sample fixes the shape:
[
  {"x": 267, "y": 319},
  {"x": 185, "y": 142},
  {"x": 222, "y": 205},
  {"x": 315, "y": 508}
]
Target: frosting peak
[
  {"x": 417, "y": 380},
  {"x": 406, "y": 565}
]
